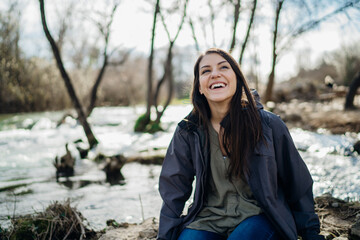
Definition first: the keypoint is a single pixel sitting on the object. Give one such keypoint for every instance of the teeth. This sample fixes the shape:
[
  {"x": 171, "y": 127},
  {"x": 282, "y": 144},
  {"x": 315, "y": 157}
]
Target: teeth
[{"x": 217, "y": 85}]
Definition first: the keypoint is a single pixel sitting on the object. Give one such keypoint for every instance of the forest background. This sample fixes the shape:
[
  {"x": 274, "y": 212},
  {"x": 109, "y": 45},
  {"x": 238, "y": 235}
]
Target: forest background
[{"x": 110, "y": 47}]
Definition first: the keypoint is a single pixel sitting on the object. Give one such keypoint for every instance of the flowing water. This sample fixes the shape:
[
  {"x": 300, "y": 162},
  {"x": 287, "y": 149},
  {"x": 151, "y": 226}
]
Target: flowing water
[{"x": 29, "y": 144}]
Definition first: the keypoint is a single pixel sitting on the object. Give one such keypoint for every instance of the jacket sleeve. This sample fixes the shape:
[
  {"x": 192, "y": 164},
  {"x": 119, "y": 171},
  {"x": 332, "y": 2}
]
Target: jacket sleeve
[
  {"x": 296, "y": 181},
  {"x": 175, "y": 185}
]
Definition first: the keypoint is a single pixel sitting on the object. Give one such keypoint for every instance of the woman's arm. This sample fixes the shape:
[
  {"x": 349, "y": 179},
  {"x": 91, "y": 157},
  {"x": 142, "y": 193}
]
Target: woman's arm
[
  {"x": 175, "y": 184},
  {"x": 296, "y": 181}
]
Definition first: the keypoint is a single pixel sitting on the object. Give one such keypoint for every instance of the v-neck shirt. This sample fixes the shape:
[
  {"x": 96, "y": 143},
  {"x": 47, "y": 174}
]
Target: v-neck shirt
[{"x": 227, "y": 203}]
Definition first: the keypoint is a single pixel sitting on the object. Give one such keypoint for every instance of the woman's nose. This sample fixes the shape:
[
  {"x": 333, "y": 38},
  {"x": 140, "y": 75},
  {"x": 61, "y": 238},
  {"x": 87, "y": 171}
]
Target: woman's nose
[{"x": 214, "y": 74}]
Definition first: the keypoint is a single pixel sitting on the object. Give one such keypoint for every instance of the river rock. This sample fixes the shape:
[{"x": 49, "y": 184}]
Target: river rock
[
  {"x": 355, "y": 231},
  {"x": 112, "y": 169},
  {"x": 144, "y": 231},
  {"x": 357, "y": 147},
  {"x": 65, "y": 165}
]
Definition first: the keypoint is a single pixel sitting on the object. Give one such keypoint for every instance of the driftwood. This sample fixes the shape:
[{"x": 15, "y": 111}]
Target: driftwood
[{"x": 65, "y": 165}]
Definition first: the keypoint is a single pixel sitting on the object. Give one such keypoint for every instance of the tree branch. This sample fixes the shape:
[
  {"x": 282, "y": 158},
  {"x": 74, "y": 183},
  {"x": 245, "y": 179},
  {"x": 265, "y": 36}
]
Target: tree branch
[{"x": 251, "y": 21}]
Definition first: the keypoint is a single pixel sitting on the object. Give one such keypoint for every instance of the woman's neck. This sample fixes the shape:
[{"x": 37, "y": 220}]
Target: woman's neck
[{"x": 217, "y": 115}]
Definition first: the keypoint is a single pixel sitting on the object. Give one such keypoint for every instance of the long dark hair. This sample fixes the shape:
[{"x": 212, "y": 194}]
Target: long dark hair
[{"x": 241, "y": 127}]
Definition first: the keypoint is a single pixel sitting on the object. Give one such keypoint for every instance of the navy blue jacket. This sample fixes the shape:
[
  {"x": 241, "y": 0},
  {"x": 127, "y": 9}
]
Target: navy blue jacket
[{"x": 279, "y": 180}]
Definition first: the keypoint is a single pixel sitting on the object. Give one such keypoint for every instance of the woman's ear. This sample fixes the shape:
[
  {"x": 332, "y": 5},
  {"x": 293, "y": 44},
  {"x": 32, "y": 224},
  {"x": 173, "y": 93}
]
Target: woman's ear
[{"x": 200, "y": 90}]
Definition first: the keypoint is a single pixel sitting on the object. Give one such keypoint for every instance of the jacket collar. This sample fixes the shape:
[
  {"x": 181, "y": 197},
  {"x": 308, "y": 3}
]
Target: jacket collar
[{"x": 190, "y": 122}]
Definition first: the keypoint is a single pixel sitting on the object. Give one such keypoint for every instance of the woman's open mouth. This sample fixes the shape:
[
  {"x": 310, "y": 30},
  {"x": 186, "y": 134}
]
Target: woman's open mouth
[{"x": 217, "y": 85}]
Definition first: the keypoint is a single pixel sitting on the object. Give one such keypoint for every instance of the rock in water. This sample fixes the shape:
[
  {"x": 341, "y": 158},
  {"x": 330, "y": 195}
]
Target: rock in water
[
  {"x": 65, "y": 166},
  {"x": 113, "y": 167},
  {"x": 357, "y": 147}
]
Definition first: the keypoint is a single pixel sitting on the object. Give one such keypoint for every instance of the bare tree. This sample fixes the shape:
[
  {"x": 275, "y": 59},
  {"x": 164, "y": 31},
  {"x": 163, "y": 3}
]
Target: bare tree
[
  {"x": 237, "y": 6},
  {"x": 144, "y": 122},
  {"x": 145, "y": 119},
  {"x": 81, "y": 115},
  {"x": 105, "y": 30},
  {"x": 355, "y": 84},
  {"x": 197, "y": 46},
  {"x": 270, "y": 85},
  {"x": 251, "y": 21},
  {"x": 64, "y": 24},
  {"x": 212, "y": 20},
  {"x": 287, "y": 42},
  {"x": 168, "y": 68}
]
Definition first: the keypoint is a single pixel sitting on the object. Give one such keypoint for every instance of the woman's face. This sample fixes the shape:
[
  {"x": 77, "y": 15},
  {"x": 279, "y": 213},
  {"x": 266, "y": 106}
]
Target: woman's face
[{"x": 217, "y": 79}]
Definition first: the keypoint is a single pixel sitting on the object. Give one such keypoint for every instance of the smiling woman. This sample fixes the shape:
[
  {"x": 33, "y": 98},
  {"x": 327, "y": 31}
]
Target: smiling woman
[
  {"x": 217, "y": 81},
  {"x": 251, "y": 182}
]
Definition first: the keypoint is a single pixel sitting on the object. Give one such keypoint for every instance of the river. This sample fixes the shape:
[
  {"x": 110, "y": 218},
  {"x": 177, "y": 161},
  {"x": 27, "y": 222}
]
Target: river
[{"x": 30, "y": 142}]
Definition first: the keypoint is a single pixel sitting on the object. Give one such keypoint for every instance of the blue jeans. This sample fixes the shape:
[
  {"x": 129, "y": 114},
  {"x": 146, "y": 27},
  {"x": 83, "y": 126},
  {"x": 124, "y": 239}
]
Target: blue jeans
[{"x": 256, "y": 227}]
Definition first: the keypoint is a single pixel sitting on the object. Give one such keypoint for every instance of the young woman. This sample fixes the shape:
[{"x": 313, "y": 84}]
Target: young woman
[{"x": 251, "y": 182}]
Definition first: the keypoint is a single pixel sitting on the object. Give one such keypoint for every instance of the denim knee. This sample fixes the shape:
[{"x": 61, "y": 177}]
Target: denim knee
[
  {"x": 192, "y": 234},
  {"x": 256, "y": 227}
]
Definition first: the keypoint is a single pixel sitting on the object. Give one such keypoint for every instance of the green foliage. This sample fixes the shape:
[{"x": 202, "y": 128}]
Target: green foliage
[
  {"x": 145, "y": 124},
  {"x": 153, "y": 127},
  {"x": 141, "y": 123}
]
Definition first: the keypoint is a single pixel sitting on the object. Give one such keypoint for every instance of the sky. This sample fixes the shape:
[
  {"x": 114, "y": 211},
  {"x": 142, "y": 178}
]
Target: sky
[{"x": 132, "y": 29}]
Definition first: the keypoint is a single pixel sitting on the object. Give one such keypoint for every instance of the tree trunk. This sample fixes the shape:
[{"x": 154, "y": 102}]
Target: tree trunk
[
  {"x": 236, "y": 20},
  {"x": 251, "y": 21},
  {"x": 169, "y": 77},
  {"x": 271, "y": 81},
  {"x": 355, "y": 84},
  {"x": 106, "y": 34},
  {"x": 212, "y": 20},
  {"x": 94, "y": 89},
  {"x": 81, "y": 116},
  {"x": 151, "y": 60},
  {"x": 194, "y": 35}
]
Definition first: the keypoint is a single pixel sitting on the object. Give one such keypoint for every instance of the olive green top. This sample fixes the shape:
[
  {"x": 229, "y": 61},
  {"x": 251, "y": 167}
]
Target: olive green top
[{"x": 228, "y": 203}]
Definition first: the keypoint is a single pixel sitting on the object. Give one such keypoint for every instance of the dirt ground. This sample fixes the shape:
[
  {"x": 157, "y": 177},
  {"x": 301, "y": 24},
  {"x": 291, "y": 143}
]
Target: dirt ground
[
  {"x": 340, "y": 220},
  {"x": 326, "y": 115}
]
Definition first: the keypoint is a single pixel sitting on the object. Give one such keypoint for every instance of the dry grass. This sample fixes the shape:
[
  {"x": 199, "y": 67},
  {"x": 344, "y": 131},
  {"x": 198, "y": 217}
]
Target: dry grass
[
  {"x": 58, "y": 221},
  {"x": 336, "y": 216}
]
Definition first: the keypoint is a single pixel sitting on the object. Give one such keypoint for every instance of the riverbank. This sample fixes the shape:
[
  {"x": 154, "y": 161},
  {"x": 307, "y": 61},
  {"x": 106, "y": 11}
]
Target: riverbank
[
  {"x": 339, "y": 219},
  {"x": 319, "y": 115},
  {"x": 325, "y": 154}
]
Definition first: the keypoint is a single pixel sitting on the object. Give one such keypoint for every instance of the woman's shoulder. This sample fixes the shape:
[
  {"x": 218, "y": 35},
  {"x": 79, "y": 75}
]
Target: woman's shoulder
[
  {"x": 272, "y": 120},
  {"x": 189, "y": 123},
  {"x": 268, "y": 116}
]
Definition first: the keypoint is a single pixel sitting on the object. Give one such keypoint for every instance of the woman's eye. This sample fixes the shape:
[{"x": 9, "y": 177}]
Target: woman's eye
[
  {"x": 224, "y": 67},
  {"x": 205, "y": 71}
]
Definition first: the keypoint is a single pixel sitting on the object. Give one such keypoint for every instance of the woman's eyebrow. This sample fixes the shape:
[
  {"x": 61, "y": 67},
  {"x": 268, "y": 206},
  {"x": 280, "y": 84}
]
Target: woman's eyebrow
[
  {"x": 217, "y": 64},
  {"x": 204, "y": 66}
]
